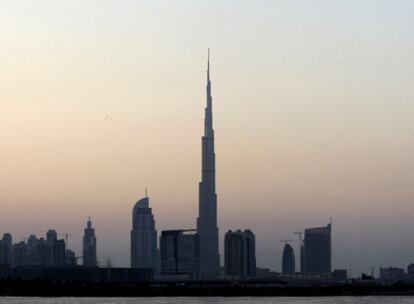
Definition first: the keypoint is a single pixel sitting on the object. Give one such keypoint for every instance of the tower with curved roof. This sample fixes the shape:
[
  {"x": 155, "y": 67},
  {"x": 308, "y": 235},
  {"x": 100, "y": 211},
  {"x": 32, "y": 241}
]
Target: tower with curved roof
[{"x": 143, "y": 236}]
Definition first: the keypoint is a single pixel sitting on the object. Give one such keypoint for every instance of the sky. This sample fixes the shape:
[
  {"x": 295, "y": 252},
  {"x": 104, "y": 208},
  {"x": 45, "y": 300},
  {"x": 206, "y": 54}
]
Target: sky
[{"x": 313, "y": 117}]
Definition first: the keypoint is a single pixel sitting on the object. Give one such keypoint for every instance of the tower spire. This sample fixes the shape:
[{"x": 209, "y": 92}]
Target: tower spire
[{"x": 208, "y": 64}]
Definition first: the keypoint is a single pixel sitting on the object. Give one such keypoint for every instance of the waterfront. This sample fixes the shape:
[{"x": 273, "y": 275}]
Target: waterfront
[{"x": 214, "y": 300}]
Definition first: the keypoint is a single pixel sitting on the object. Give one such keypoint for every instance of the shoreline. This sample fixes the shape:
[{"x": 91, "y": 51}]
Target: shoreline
[{"x": 47, "y": 288}]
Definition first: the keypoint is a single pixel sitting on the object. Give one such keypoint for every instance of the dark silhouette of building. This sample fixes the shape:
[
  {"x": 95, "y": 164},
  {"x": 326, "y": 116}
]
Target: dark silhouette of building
[
  {"x": 42, "y": 252},
  {"x": 302, "y": 257},
  {"x": 317, "y": 250},
  {"x": 6, "y": 250},
  {"x": 179, "y": 253},
  {"x": 410, "y": 269},
  {"x": 288, "y": 260},
  {"x": 59, "y": 253},
  {"x": 70, "y": 258},
  {"x": 392, "y": 274},
  {"x": 340, "y": 274},
  {"x": 207, "y": 220},
  {"x": 51, "y": 238},
  {"x": 240, "y": 254},
  {"x": 89, "y": 246},
  {"x": 32, "y": 250},
  {"x": 250, "y": 241},
  {"x": 143, "y": 236},
  {"x": 54, "y": 252},
  {"x": 20, "y": 255}
]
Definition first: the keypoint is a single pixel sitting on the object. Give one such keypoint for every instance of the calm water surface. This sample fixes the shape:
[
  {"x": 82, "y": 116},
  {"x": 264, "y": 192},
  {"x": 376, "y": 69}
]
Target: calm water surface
[{"x": 327, "y": 300}]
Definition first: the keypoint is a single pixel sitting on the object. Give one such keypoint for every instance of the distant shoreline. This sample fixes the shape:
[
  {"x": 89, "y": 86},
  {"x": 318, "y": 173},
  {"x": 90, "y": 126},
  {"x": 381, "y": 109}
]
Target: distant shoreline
[{"x": 46, "y": 288}]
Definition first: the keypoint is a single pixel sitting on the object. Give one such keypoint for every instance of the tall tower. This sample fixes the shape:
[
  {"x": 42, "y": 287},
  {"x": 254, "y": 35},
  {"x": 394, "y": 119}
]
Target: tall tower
[
  {"x": 143, "y": 236},
  {"x": 288, "y": 260},
  {"x": 317, "y": 254},
  {"x": 207, "y": 219},
  {"x": 89, "y": 245}
]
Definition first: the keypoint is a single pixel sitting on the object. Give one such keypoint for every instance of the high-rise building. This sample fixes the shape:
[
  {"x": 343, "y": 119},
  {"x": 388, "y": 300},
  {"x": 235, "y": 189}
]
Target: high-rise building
[
  {"x": 89, "y": 245},
  {"x": 410, "y": 269},
  {"x": 51, "y": 238},
  {"x": 20, "y": 254},
  {"x": 70, "y": 258},
  {"x": 31, "y": 249},
  {"x": 240, "y": 254},
  {"x": 250, "y": 241},
  {"x": 302, "y": 257},
  {"x": 52, "y": 252},
  {"x": 59, "y": 253},
  {"x": 42, "y": 252},
  {"x": 207, "y": 219},
  {"x": 6, "y": 250},
  {"x": 179, "y": 253},
  {"x": 51, "y": 235},
  {"x": 143, "y": 236},
  {"x": 317, "y": 250},
  {"x": 288, "y": 260}
]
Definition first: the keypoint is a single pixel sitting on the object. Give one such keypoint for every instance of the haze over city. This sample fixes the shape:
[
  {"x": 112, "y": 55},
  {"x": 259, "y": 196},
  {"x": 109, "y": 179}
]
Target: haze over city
[{"x": 313, "y": 119}]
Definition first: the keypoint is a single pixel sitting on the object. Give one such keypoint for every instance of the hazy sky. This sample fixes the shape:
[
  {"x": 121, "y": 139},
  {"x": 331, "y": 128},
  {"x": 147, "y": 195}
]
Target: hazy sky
[{"x": 313, "y": 113}]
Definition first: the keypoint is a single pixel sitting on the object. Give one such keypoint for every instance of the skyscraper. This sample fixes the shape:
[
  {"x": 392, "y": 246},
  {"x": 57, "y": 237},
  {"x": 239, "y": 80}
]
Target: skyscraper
[
  {"x": 6, "y": 250},
  {"x": 20, "y": 254},
  {"x": 250, "y": 244},
  {"x": 240, "y": 254},
  {"x": 288, "y": 260},
  {"x": 179, "y": 253},
  {"x": 317, "y": 250},
  {"x": 55, "y": 250},
  {"x": 143, "y": 236},
  {"x": 59, "y": 253},
  {"x": 32, "y": 249},
  {"x": 89, "y": 245},
  {"x": 207, "y": 218}
]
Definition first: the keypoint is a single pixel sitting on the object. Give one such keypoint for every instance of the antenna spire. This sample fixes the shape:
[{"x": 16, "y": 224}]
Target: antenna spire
[
  {"x": 208, "y": 64},
  {"x": 146, "y": 192}
]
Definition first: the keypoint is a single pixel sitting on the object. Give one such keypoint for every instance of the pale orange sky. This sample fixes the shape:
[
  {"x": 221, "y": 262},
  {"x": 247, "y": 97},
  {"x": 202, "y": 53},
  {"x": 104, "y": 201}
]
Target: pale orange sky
[{"x": 313, "y": 113}]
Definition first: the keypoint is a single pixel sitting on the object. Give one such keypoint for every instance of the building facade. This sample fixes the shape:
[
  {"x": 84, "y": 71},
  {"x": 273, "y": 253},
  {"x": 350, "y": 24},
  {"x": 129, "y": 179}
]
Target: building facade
[
  {"x": 89, "y": 246},
  {"x": 288, "y": 260},
  {"x": 20, "y": 254},
  {"x": 207, "y": 220},
  {"x": 317, "y": 251},
  {"x": 179, "y": 253},
  {"x": 6, "y": 250},
  {"x": 392, "y": 274},
  {"x": 240, "y": 254},
  {"x": 143, "y": 236}
]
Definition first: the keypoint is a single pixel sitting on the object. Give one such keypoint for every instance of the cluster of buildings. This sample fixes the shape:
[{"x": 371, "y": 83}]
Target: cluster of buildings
[
  {"x": 315, "y": 253},
  {"x": 181, "y": 253},
  {"x": 193, "y": 253},
  {"x": 48, "y": 252},
  {"x": 396, "y": 273}
]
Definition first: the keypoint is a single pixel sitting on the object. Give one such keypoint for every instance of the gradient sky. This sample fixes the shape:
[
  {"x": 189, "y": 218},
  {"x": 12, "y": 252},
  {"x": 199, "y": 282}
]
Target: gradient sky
[{"x": 313, "y": 113}]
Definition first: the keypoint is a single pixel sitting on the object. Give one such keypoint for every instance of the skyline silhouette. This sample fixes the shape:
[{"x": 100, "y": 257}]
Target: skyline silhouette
[{"x": 313, "y": 104}]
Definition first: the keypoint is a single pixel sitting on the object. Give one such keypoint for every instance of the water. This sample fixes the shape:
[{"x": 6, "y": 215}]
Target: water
[{"x": 276, "y": 300}]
